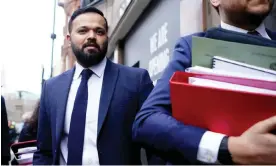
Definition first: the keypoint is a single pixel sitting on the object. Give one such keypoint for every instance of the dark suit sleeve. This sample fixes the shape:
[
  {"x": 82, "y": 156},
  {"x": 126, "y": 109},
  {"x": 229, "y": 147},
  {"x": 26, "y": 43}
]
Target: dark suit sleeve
[
  {"x": 154, "y": 126},
  {"x": 146, "y": 87},
  {"x": 44, "y": 155},
  {"x": 5, "y": 138}
]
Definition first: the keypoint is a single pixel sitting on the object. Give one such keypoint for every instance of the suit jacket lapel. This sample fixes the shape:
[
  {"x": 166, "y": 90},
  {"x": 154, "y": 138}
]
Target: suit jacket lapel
[
  {"x": 62, "y": 89},
  {"x": 109, "y": 83},
  {"x": 271, "y": 34}
]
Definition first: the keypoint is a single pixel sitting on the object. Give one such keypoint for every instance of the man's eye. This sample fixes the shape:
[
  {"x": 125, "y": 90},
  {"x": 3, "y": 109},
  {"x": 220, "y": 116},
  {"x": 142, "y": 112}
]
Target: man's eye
[
  {"x": 82, "y": 31},
  {"x": 100, "y": 32}
]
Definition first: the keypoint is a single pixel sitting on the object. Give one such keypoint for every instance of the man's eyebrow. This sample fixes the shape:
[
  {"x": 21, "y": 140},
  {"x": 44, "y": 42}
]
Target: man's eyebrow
[
  {"x": 99, "y": 27},
  {"x": 81, "y": 27},
  {"x": 86, "y": 27}
]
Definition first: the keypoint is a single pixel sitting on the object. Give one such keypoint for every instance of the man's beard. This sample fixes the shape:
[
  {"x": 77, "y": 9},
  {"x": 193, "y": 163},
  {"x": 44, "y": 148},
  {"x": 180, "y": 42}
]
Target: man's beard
[
  {"x": 89, "y": 59},
  {"x": 246, "y": 18},
  {"x": 256, "y": 19}
]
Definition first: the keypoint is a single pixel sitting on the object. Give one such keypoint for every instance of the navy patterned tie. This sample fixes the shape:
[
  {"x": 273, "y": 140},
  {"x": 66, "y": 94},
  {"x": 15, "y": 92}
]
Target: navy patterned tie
[{"x": 77, "y": 124}]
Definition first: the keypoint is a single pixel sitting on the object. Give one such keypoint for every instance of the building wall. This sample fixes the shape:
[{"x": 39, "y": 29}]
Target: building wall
[
  {"x": 17, "y": 107},
  {"x": 113, "y": 11},
  {"x": 152, "y": 40},
  {"x": 191, "y": 16},
  {"x": 67, "y": 57},
  {"x": 184, "y": 17}
]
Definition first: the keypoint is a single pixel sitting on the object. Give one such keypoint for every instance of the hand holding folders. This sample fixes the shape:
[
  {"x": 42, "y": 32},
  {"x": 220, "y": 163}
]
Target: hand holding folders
[{"x": 256, "y": 145}]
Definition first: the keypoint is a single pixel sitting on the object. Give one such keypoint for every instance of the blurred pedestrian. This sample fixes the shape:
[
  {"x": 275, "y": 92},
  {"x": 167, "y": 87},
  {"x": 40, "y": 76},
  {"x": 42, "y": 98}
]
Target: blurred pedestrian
[{"x": 29, "y": 130}]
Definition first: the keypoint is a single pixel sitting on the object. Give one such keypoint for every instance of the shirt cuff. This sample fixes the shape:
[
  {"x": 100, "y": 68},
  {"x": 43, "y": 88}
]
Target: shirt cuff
[{"x": 209, "y": 147}]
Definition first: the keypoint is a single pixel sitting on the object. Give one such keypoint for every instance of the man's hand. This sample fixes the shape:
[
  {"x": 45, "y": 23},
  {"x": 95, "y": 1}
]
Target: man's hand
[{"x": 255, "y": 146}]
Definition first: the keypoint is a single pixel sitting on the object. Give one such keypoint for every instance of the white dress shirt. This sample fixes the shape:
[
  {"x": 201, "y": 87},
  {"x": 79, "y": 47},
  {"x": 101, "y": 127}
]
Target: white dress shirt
[
  {"x": 90, "y": 152},
  {"x": 260, "y": 29},
  {"x": 210, "y": 141}
]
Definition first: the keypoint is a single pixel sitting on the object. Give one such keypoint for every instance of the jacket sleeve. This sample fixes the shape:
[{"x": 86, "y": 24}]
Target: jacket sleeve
[
  {"x": 43, "y": 155},
  {"x": 154, "y": 126},
  {"x": 146, "y": 87},
  {"x": 5, "y": 137}
]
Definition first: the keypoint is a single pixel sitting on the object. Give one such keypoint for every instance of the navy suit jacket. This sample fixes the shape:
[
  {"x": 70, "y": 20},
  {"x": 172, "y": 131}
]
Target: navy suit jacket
[
  {"x": 124, "y": 90},
  {"x": 154, "y": 126}
]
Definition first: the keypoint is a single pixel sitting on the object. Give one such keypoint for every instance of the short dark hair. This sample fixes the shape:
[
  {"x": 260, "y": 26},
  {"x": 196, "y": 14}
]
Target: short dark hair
[
  {"x": 87, "y": 9},
  {"x": 33, "y": 120}
]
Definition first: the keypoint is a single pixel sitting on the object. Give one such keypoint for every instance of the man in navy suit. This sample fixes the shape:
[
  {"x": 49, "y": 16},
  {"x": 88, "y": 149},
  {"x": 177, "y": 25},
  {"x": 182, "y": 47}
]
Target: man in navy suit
[
  {"x": 86, "y": 114},
  {"x": 178, "y": 143}
]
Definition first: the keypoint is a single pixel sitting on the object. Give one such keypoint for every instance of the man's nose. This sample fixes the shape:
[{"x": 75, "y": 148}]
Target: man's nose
[{"x": 91, "y": 34}]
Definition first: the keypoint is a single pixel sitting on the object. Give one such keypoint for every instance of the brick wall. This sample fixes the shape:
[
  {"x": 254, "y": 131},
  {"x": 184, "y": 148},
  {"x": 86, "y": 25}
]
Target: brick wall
[{"x": 67, "y": 56}]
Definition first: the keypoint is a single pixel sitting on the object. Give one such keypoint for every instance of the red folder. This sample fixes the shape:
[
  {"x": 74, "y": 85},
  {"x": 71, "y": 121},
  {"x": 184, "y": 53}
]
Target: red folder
[{"x": 220, "y": 110}]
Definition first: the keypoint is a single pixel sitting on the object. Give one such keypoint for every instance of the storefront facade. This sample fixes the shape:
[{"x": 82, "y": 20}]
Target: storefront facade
[{"x": 150, "y": 43}]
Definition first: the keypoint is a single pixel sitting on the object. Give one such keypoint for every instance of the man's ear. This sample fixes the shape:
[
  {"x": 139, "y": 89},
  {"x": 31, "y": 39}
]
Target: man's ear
[
  {"x": 215, "y": 3},
  {"x": 68, "y": 38}
]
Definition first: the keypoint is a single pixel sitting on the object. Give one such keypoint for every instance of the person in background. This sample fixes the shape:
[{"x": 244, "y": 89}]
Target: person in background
[
  {"x": 29, "y": 130},
  {"x": 12, "y": 132},
  {"x": 178, "y": 143},
  {"x": 5, "y": 137}
]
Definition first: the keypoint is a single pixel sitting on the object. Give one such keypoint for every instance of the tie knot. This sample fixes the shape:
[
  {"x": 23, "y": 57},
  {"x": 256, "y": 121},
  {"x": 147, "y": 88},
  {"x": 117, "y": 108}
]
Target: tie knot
[
  {"x": 256, "y": 33},
  {"x": 86, "y": 74}
]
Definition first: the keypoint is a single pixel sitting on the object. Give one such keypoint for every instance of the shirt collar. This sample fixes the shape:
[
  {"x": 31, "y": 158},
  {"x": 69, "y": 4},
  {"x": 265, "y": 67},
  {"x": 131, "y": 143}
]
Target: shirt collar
[
  {"x": 98, "y": 69},
  {"x": 260, "y": 29}
]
